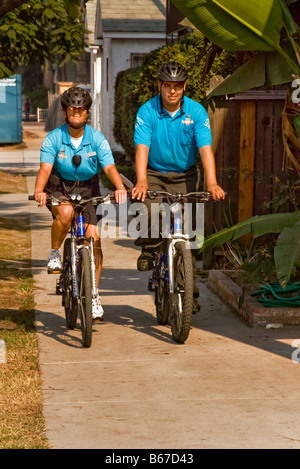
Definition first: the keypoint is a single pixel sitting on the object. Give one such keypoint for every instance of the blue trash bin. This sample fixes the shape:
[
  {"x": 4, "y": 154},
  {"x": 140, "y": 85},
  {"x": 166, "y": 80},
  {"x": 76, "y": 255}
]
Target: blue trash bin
[{"x": 11, "y": 110}]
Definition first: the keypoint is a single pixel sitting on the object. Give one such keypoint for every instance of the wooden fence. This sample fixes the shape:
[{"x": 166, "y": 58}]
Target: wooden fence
[{"x": 248, "y": 149}]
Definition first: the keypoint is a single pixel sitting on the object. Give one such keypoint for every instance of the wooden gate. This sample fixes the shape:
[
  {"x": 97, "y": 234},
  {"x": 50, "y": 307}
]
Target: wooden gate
[{"x": 248, "y": 148}]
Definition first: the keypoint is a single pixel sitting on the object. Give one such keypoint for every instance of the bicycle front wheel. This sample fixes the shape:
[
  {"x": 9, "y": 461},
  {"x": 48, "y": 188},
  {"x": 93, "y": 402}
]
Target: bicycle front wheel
[
  {"x": 85, "y": 297},
  {"x": 161, "y": 293},
  {"x": 182, "y": 298},
  {"x": 69, "y": 302}
]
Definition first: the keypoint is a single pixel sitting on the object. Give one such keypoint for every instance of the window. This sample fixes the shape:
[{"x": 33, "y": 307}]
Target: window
[{"x": 136, "y": 59}]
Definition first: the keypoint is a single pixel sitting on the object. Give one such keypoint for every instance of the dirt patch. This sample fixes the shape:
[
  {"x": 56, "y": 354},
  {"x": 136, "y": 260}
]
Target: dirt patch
[
  {"x": 239, "y": 277},
  {"x": 12, "y": 183},
  {"x": 28, "y": 136}
]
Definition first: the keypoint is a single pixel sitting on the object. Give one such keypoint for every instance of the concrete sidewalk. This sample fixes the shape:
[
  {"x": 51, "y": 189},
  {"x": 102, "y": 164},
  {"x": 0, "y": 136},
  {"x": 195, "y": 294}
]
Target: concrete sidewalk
[{"x": 229, "y": 386}]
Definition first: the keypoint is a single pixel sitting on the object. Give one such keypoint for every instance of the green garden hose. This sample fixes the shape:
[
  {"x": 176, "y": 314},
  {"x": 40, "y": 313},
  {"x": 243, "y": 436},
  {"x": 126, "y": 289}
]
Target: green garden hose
[{"x": 272, "y": 295}]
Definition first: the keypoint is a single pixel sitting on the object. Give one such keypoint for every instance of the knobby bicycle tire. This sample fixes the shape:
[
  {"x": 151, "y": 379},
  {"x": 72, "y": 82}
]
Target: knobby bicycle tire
[
  {"x": 85, "y": 297},
  {"x": 181, "y": 306},
  {"x": 69, "y": 302},
  {"x": 161, "y": 293}
]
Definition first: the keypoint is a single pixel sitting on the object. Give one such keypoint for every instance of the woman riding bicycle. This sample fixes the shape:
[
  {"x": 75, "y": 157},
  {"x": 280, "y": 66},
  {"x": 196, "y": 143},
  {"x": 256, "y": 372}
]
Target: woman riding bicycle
[{"x": 71, "y": 157}]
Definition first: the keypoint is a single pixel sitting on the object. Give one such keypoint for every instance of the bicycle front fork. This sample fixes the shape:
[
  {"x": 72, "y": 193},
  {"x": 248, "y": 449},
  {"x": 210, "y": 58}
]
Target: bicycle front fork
[{"x": 74, "y": 253}]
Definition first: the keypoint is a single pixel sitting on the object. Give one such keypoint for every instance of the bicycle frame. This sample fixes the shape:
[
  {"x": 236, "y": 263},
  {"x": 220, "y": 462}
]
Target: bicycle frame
[{"x": 174, "y": 232}]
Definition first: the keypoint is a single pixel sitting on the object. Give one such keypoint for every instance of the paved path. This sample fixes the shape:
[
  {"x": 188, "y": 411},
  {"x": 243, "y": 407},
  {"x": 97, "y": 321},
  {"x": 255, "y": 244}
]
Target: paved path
[{"x": 229, "y": 386}]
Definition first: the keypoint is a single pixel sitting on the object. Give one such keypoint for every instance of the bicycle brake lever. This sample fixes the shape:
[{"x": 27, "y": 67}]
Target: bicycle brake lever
[
  {"x": 151, "y": 194},
  {"x": 107, "y": 199}
]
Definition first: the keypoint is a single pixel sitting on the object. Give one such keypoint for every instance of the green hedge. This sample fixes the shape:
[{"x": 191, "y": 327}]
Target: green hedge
[{"x": 136, "y": 86}]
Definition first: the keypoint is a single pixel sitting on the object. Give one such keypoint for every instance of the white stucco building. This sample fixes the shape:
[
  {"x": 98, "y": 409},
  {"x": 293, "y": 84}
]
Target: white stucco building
[{"x": 122, "y": 31}]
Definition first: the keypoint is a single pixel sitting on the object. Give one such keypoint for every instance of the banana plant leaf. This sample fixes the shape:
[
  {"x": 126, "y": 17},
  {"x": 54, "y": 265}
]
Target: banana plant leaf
[
  {"x": 240, "y": 25},
  {"x": 287, "y": 253},
  {"x": 265, "y": 69},
  {"x": 258, "y": 225}
]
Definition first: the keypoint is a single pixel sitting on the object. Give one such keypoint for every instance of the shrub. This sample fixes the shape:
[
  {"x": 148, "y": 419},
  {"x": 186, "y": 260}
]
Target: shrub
[{"x": 136, "y": 86}]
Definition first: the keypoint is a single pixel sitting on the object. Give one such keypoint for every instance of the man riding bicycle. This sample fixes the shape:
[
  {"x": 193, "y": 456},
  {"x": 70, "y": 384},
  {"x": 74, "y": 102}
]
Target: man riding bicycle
[
  {"x": 71, "y": 157},
  {"x": 171, "y": 130}
]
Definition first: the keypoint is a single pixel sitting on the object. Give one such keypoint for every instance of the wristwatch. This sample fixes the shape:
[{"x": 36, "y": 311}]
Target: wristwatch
[{"x": 121, "y": 186}]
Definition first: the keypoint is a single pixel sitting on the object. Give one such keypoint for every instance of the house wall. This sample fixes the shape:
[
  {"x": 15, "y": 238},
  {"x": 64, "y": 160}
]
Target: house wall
[{"x": 115, "y": 58}]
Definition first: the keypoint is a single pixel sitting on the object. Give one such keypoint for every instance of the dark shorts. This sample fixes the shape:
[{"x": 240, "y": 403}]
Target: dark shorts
[{"x": 90, "y": 190}]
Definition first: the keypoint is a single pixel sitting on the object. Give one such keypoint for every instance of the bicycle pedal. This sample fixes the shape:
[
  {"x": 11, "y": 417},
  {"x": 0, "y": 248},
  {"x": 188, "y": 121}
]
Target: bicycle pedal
[
  {"x": 50, "y": 271},
  {"x": 98, "y": 320}
]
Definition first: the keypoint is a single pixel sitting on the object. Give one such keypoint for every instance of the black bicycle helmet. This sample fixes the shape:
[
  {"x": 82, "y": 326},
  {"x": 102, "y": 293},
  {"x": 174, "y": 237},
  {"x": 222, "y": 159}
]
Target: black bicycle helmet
[
  {"x": 172, "y": 71},
  {"x": 76, "y": 97}
]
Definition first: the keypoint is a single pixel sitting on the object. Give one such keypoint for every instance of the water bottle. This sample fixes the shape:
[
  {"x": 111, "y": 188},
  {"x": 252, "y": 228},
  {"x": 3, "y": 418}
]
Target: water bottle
[
  {"x": 177, "y": 225},
  {"x": 2, "y": 351},
  {"x": 81, "y": 230}
]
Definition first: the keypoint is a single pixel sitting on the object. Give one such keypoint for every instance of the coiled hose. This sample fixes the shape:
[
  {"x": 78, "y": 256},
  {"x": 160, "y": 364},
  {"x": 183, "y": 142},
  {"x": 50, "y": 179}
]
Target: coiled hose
[{"x": 272, "y": 295}]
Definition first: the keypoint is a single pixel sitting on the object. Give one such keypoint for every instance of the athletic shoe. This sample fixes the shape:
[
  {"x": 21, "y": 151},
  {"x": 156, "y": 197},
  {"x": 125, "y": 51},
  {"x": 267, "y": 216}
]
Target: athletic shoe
[
  {"x": 146, "y": 260},
  {"x": 54, "y": 262},
  {"x": 97, "y": 310}
]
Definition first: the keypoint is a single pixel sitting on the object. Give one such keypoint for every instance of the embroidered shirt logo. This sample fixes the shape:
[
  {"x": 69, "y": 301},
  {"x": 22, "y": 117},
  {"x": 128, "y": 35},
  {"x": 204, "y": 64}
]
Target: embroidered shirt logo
[
  {"x": 139, "y": 122},
  {"x": 105, "y": 145},
  {"x": 188, "y": 121},
  {"x": 207, "y": 124},
  {"x": 47, "y": 142}
]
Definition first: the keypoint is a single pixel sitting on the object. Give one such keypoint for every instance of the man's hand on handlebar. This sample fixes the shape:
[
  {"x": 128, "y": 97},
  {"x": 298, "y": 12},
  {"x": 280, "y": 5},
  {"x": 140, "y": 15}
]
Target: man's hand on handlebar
[
  {"x": 140, "y": 191},
  {"x": 216, "y": 192}
]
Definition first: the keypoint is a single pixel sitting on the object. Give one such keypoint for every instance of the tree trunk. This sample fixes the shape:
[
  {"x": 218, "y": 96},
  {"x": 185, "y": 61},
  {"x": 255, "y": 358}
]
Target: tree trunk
[{"x": 8, "y": 5}]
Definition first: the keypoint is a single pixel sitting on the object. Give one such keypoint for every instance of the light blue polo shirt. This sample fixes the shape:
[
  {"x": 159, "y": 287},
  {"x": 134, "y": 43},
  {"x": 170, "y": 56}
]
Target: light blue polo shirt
[
  {"x": 173, "y": 142},
  {"x": 94, "y": 149}
]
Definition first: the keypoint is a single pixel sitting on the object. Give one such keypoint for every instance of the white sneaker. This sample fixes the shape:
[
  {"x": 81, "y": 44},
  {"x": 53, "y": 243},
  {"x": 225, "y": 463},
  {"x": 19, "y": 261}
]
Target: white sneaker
[
  {"x": 54, "y": 262},
  {"x": 97, "y": 310}
]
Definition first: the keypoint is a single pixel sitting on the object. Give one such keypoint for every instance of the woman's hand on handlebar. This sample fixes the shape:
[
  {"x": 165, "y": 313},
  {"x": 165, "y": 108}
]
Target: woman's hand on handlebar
[
  {"x": 121, "y": 196},
  {"x": 41, "y": 197}
]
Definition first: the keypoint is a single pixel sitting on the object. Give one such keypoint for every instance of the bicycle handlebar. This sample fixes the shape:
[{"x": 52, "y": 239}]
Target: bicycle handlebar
[
  {"x": 68, "y": 198},
  {"x": 201, "y": 196}
]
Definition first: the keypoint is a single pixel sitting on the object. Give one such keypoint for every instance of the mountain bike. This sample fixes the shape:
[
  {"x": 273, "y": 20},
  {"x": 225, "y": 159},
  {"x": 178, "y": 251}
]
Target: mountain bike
[
  {"x": 77, "y": 281},
  {"x": 172, "y": 276}
]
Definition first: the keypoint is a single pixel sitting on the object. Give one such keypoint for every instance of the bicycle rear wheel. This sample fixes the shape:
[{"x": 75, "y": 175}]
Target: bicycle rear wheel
[
  {"x": 69, "y": 302},
  {"x": 85, "y": 297},
  {"x": 182, "y": 299},
  {"x": 161, "y": 292}
]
